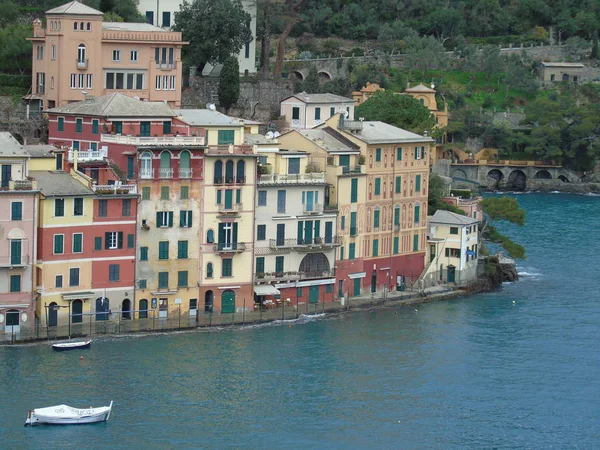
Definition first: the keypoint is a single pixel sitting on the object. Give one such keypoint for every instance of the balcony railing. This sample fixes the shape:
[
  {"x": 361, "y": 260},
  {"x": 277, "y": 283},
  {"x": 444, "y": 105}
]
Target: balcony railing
[
  {"x": 302, "y": 243},
  {"x": 230, "y": 209},
  {"x": 165, "y": 173},
  {"x": 22, "y": 185},
  {"x": 294, "y": 275},
  {"x": 230, "y": 247},
  {"x": 313, "y": 208},
  {"x": 301, "y": 178},
  {"x": 351, "y": 169},
  {"x": 108, "y": 189},
  {"x": 146, "y": 174},
  {"x": 166, "y": 64},
  {"x": 229, "y": 149},
  {"x": 82, "y": 64},
  {"x": 89, "y": 155},
  {"x": 354, "y": 125},
  {"x": 153, "y": 140},
  {"x": 185, "y": 173},
  {"x": 8, "y": 262}
]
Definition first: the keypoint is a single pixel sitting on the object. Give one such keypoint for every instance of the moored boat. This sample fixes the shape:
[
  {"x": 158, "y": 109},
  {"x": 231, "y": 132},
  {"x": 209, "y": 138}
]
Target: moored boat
[
  {"x": 71, "y": 345},
  {"x": 67, "y": 415}
]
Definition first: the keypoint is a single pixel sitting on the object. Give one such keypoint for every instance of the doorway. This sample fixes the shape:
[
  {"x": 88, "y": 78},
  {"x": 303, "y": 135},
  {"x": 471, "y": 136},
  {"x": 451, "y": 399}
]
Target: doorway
[
  {"x": 126, "y": 309},
  {"x": 356, "y": 291},
  {"x": 143, "y": 314},
  {"x": 313, "y": 296},
  {"x": 228, "y": 301},
  {"x": 451, "y": 274},
  {"x": 209, "y": 300},
  {"x": 77, "y": 311},
  {"x": 52, "y": 314}
]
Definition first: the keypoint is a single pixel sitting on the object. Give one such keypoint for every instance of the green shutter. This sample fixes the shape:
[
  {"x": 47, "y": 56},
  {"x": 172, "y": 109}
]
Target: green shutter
[
  {"x": 260, "y": 265},
  {"x": 167, "y": 127},
  {"x": 219, "y": 197},
  {"x": 15, "y": 283},
  {"x": 397, "y": 216},
  {"x": 78, "y": 125},
  {"x": 416, "y": 242},
  {"x": 418, "y": 183},
  {"x": 130, "y": 241},
  {"x": 17, "y": 211},
  {"x": 376, "y": 219},
  {"x": 182, "y": 249},
  {"x": 300, "y": 231},
  {"x": 238, "y": 196},
  {"x": 120, "y": 239},
  {"x": 399, "y": 154},
  {"x": 170, "y": 219},
  {"x": 375, "y": 247},
  {"x": 351, "y": 251},
  {"x": 182, "y": 278},
  {"x": 145, "y": 193},
  {"x": 158, "y": 219},
  {"x": 377, "y": 186},
  {"x": 15, "y": 251},
  {"x": 185, "y": 192},
  {"x": 398, "y": 185},
  {"x": 417, "y": 214},
  {"x": 164, "y": 192},
  {"x": 94, "y": 127},
  {"x": 341, "y": 253},
  {"x": 396, "y": 245},
  {"x": 58, "y": 243},
  {"x": 279, "y": 264},
  {"x": 317, "y": 228},
  {"x": 354, "y": 190},
  {"x": 189, "y": 219},
  {"x": 353, "y": 230},
  {"x": 61, "y": 124},
  {"x": 143, "y": 253},
  {"x": 98, "y": 243},
  {"x": 77, "y": 243},
  {"x": 378, "y": 155}
]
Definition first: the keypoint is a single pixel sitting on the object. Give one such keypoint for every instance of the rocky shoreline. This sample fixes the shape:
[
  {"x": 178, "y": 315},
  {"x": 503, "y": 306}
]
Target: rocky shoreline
[{"x": 556, "y": 186}]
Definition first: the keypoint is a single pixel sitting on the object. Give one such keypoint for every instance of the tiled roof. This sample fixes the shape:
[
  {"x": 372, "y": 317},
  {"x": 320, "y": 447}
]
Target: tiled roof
[
  {"x": 320, "y": 98},
  {"x": 419, "y": 88},
  {"x": 74, "y": 8},
  {"x": 327, "y": 141},
  {"x": 450, "y": 218},
  {"x": 59, "y": 183},
  {"x": 206, "y": 117},
  {"x": 375, "y": 132},
  {"x": 115, "y": 105}
]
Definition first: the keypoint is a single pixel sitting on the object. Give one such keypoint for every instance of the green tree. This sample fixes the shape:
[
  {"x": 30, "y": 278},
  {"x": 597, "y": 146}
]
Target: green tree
[
  {"x": 502, "y": 209},
  {"x": 311, "y": 84},
  {"x": 399, "y": 110},
  {"x": 438, "y": 189},
  {"x": 10, "y": 13},
  {"x": 215, "y": 29},
  {"x": 15, "y": 49},
  {"x": 443, "y": 23},
  {"x": 229, "y": 83},
  {"x": 126, "y": 9},
  {"x": 425, "y": 53}
]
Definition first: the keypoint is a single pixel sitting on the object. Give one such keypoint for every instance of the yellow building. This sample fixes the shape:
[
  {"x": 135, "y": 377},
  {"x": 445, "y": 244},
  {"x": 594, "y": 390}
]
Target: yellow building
[{"x": 366, "y": 92}]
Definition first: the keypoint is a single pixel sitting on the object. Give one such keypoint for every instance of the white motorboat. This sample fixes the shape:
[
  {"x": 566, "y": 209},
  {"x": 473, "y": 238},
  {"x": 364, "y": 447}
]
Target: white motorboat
[
  {"x": 71, "y": 345},
  {"x": 67, "y": 415}
]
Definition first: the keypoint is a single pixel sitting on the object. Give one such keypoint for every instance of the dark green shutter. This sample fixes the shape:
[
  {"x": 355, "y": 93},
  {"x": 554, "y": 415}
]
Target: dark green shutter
[
  {"x": 98, "y": 243},
  {"x": 219, "y": 197},
  {"x": 417, "y": 213},
  {"x": 130, "y": 241},
  {"x": 418, "y": 183},
  {"x": 221, "y": 240},
  {"x": 354, "y": 190},
  {"x": 106, "y": 240},
  {"x": 120, "y": 239},
  {"x": 238, "y": 196},
  {"x": 170, "y": 219},
  {"x": 235, "y": 234},
  {"x": 158, "y": 217},
  {"x": 300, "y": 231},
  {"x": 317, "y": 228},
  {"x": 182, "y": 218},
  {"x": 189, "y": 219}
]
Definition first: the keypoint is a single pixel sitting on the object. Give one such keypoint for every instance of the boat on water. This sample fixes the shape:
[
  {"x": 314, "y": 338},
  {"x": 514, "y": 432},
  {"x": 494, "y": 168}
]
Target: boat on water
[
  {"x": 71, "y": 345},
  {"x": 67, "y": 415}
]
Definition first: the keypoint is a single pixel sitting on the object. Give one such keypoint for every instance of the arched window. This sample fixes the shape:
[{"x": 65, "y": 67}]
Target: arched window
[
  {"x": 422, "y": 101},
  {"x": 81, "y": 53},
  {"x": 89, "y": 26},
  {"x": 165, "y": 170},
  {"x": 184, "y": 165},
  {"x": 229, "y": 172},
  {"x": 397, "y": 218},
  {"x": 241, "y": 172},
  {"x": 210, "y": 236},
  {"x": 75, "y": 26},
  {"x": 218, "y": 172},
  {"x": 209, "y": 270},
  {"x": 146, "y": 165},
  {"x": 81, "y": 26},
  {"x": 52, "y": 82}
]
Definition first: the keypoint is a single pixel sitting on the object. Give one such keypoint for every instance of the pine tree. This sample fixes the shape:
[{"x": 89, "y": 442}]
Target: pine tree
[{"x": 229, "y": 83}]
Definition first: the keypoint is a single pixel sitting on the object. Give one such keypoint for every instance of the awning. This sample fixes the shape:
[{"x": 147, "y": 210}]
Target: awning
[
  {"x": 78, "y": 295},
  {"x": 265, "y": 289}
]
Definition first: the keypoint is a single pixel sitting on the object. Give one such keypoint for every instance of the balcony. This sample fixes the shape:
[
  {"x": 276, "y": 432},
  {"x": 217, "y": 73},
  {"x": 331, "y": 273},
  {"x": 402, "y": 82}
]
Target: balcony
[
  {"x": 112, "y": 189},
  {"x": 313, "y": 208},
  {"x": 234, "y": 208},
  {"x": 22, "y": 185},
  {"x": 185, "y": 173},
  {"x": 89, "y": 155},
  {"x": 146, "y": 174},
  {"x": 316, "y": 243},
  {"x": 157, "y": 141},
  {"x": 7, "y": 262},
  {"x": 351, "y": 169},
  {"x": 301, "y": 178},
  {"x": 230, "y": 149},
  {"x": 351, "y": 125},
  {"x": 295, "y": 275},
  {"x": 166, "y": 65},
  {"x": 229, "y": 247},
  {"x": 82, "y": 64},
  {"x": 165, "y": 173}
]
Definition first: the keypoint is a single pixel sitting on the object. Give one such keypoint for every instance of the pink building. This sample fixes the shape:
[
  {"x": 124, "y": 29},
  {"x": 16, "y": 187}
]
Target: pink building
[
  {"x": 470, "y": 206},
  {"x": 78, "y": 55},
  {"x": 18, "y": 222}
]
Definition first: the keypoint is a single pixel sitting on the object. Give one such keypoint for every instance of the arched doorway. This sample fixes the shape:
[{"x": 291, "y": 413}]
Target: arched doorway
[
  {"x": 228, "y": 301},
  {"x": 324, "y": 76},
  {"x": 52, "y": 314},
  {"x": 459, "y": 173},
  {"x": 542, "y": 175},
  {"x": 102, "y": 308},
  {"x": 496, "y": 174},
  {"x": 517, "y": 180},
  {"x": 77, "y": 311},
  {"x": 209, "y": 300},
  {"x": 563, "y": 179},
  {"x": 143, "y": 314},
  {"x": 296, "y": 75},
  {"x": 126, "y": 309},
  {"x": 315, "y": 265}
]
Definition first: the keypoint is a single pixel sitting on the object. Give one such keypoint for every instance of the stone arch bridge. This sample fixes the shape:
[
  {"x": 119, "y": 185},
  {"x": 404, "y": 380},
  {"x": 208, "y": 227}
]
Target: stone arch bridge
[{"x": 512, "y": 174}]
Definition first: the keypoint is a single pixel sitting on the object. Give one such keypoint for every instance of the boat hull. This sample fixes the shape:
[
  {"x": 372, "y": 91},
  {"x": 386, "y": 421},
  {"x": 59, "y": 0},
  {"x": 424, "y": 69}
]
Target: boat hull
[
  {"x": 71, "y": 346},
  {"x": 65, "y": 415}
]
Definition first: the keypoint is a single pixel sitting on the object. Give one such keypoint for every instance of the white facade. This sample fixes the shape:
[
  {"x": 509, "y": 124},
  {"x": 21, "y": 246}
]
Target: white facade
[
  {"x": 310, "y": 110},
  {"x": 162, "y": 14}
]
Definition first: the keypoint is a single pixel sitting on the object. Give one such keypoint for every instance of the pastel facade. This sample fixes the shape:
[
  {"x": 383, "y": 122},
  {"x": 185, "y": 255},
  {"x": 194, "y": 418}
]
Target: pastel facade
[
  {"x": 470, "y": 206},
  {"x": 366, "y": 92},
  {"x": 295, "y": 231},
  {"x": 453, "y": 246},
  {"x": 310, "y": 110},
  {"x": 78, "y": 55},
  {"x": 162, "y": 14}
]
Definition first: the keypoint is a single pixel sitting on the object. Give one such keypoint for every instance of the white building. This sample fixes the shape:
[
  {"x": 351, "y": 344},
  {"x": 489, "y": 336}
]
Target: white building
[
  {"x": 295, "y": 238},
  {"x": 310, "y": 110},
  {"x": 162, "y": 14}
]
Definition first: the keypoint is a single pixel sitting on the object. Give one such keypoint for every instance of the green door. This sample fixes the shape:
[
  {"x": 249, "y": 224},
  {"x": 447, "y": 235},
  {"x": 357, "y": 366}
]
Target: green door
[
  {"x": 356, "y": 287},
  {"x": 314, "y": 294},
  {"x": 228, "y": 198},
  {"x": 77, "y": 311},
  {"x": 144, "y": 128},
  {"x": 451, "y": 274},
  {"x": 228, "y": 302}
]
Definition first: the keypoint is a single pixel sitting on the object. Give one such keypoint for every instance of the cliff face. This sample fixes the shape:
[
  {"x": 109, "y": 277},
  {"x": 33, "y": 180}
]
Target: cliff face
[
  {"x": 557, "y": 185},
  {"x": 499, "y": 269}
]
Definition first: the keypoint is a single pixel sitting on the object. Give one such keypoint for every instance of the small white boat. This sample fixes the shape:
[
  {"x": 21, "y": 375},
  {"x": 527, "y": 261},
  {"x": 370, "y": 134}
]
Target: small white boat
[
  {"x": 71, "y": 345},
  {"x": 67, "y": 415}
]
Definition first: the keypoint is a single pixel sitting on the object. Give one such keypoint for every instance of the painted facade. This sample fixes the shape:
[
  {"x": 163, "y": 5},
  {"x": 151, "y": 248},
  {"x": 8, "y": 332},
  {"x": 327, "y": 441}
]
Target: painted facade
[
  {"x": 310, "y": 110},
  {"x": 78, "y": 55}
]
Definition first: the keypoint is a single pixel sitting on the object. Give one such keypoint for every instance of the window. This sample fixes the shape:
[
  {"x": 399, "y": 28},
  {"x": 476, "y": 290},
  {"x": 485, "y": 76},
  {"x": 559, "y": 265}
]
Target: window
[
  {"x": 317, "y": 113},
  {"x": 226, "y": 137},
  {"x": 58, "y": 281},
  {"x": 378, "y": 155},
  {"x": 150, "y": 17},
  {"x": 166, "y": 19},
  {"x": 397, "y": 218},
  {"x": 262, "y": 198},
  {"x": 145, "y": 193},
  {"x": 94, "y": 148},
  {"x": 157, "y": 85},
  {"x": 89, "y": 26},
  {"x": 15, "y": 283},
  {"x": 352, "y": 251},
  {"x": 81, "y": 78},
  {"x": 281, "y": 201},
  {"x": 117, "y": 80},
  {"x": 182, "y": 278},
  {"x": 59, "y": 207},
  {"x": 417, "y": 213},
  {"x": 341, "y": 253},
  {"x": 182, "y": 249},
  {"x": 133, "y": 56},
  {"x": 295, "y": 113},
  {"x": 163, "y": 250},
  {"x": 15, "y": 251},
  {"x": 113, "y": 272},
  {"x": 354, "y": 190},
  {"x": 418, "y": 183},
  {"x": 116, "y": 55},
  {"x": 185, "y": 192},
  {"x": 210, "y": 236},
  {"x": 126, "y": 207},
  {"x": 98, "y": 243},
  {"x": 143, "y": 253},
  {"x": 89, "y": 78},
  {"x": 185, "y": 219},
  {"x": 77, "y": 242},
  {"x": 343, "y": 223},
  {"x": 416, "y": 243},
  {"x": 103, "y": 208},
  {"x": 299, "y": 292},
  {"x": 78, "y": 206},
  {"x": 399, "y": 154},
  {"x": 331, "y": 111},
  {"x": 260, "y": 267},
  {"x": 164, "y": 219},
  {"x": 59, "y": 242},
  {"x": 226, "y": 269},
  {"x": 209, "y": 270},
  {"x": 375, "y": 247},
  {"x": 73, "y": 80},
  {"x": 76, "y": 145},
  {"x": 95, "y": 126},
  {"x": 74, "y": 277},
  {"x": 353, "y": 228},
  {"x": 40, "y": 52},
  {"x": 61, "y": 124},
  {"x": 16, "y": 211},
  {"x": 81, "y": 54},
  {"x": 261, "y": 232},
  {"x": 377, "y": 186},
  {"x": 167, "y": 127},
  {"x": 396, "y": 245},
  {"x": 240, "y": 173},
  {"x": 376, "y": 219},
  {"x": 163, "y": 280},
  {"x": 53, "y": 52},
  {"x": 279, "y": 264},
  {"x": 164, "y": 192},
  {"x": 131, "y": 241},
  {"x": 113, "y": 240},
  {"x": 145, "y": 131},
  {"x": 293, "y": 166},
  {"x": 453, "y": 230}
]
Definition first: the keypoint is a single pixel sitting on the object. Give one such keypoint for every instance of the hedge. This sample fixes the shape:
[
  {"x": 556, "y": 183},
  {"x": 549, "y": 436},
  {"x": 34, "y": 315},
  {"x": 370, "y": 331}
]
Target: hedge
[{"x": 7, "y": 79}]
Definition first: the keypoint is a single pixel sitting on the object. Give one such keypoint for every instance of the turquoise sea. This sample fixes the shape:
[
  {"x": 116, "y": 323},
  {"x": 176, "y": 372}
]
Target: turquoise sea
[{"x": 476, "y": 372}]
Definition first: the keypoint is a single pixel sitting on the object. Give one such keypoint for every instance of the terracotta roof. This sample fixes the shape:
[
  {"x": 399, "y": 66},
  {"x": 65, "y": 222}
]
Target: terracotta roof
[
  {"x": 420, "y": 88},
  {"x": 115, "y": 105},
  {"x": 74, "y": 8}
]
